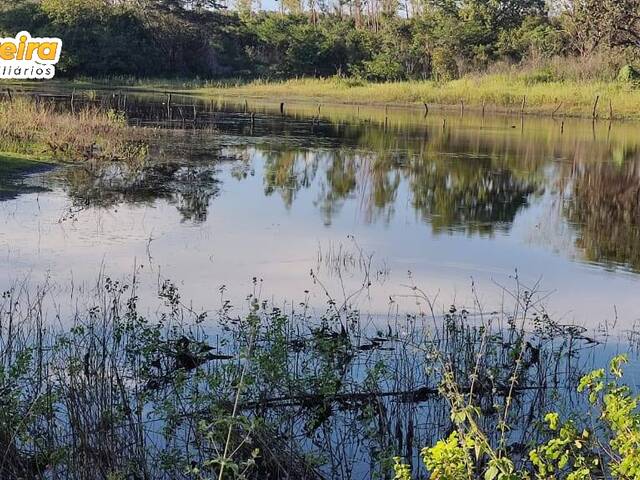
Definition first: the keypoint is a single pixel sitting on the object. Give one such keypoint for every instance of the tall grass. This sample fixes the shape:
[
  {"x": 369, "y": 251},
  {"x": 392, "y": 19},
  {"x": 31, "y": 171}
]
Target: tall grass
[
  {"x": 43, "y": 132},
  {"x": 545, "y": 93}
]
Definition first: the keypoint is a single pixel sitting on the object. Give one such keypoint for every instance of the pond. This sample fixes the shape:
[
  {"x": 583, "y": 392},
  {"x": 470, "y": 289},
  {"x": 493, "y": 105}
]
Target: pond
[
  {"x": 461, "y": 205},
  {"x": 358, "y": 254}
]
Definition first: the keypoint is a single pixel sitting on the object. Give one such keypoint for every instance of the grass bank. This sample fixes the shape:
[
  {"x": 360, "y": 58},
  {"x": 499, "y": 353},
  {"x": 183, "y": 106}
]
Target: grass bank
[
  {"x": 41, "y": 132},
  {"x": 498, "y": 93},
  {"x": 12, "y": 163},
  {"x": 543, "y": 93}
]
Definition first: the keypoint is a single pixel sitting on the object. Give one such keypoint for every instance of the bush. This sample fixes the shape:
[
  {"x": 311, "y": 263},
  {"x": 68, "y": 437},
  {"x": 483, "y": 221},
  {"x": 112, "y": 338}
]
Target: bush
[
  {"x": 443, "y": 66},
  {"x": 535, "y": 37},
  {"x": 383, "y": 67},
  {"x": 544, "y": 75},
  {"x": 628, "y": 74},
  {"x": 574, "y": 451}
]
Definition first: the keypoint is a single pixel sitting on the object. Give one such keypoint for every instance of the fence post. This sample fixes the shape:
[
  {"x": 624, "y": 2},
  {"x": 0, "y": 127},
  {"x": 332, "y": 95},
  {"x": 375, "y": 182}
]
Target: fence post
[{"x": 595, "y": 107}]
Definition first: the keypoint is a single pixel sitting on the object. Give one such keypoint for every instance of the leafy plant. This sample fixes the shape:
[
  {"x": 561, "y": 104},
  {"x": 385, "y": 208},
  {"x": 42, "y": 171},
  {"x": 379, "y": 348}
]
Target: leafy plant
[{"x": 610, "y": 450}]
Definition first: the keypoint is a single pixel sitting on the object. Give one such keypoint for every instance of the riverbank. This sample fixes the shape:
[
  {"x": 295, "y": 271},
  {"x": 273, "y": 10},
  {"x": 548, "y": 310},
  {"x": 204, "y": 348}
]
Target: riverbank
[
  {"x": 11, "y": 163},
  {"x": 493, "y": 93},
  {"x": 530, "y": 94},
  {"x": 35, "y": 131}
]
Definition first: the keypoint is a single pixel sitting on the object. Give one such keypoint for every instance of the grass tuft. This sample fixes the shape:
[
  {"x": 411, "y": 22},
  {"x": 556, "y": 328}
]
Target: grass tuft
[{"x": 41, "y": 132}]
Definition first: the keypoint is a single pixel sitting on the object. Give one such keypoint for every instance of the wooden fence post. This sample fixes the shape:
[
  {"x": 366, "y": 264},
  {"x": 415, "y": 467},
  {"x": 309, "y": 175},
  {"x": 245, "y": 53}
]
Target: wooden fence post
[
  {"x": 610, "y": 110},
  {"x": 595, "y": 107}
]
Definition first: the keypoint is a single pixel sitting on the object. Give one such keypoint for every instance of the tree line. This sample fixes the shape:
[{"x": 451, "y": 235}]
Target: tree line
[{"x": 378, "y": 40}]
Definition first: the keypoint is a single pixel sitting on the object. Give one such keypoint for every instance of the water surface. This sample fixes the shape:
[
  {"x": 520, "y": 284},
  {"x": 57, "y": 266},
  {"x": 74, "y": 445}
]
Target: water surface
[{"x": 321, "y": 199}]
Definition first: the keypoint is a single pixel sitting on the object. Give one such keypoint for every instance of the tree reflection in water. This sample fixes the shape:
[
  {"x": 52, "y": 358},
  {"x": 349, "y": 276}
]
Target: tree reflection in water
[
  {"x": 188, "y": 187},
  {"x": 604, "y": 206},
  {"x": 471, "y": 176},
  {"x": 470, "y": 194}
]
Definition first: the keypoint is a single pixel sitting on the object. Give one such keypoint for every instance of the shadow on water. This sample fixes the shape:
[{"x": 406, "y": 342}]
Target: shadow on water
[{"x": 14, "y": 176}]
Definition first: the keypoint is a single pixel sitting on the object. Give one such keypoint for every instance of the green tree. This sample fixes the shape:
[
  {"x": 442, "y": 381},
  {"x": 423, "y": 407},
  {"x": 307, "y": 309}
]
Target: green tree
[
  {"x": 472, "y": 27},
  {"x": 609, "y": 23}
]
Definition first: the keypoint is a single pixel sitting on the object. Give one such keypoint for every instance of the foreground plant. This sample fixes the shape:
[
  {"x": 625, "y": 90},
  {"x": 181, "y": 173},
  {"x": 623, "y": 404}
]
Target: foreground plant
[
  {"x": 114, "y": 392},
  {"x": 610, "y": 448}
]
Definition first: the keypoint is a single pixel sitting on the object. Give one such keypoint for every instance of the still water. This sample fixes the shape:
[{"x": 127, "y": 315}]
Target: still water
[{"x": 323, "y": 199}]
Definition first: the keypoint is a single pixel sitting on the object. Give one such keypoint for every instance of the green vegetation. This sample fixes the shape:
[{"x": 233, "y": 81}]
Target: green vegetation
[
  {"x": 437, "y": 39},
  {"x": 496, "y": 92},
  {"x": 434, "y": 51},
  {"x": 39, "y": 131},
  {"x": 607, "y": 445},
  {"x": 113, "y": 393},
  {"x": 109, "y": 392}
]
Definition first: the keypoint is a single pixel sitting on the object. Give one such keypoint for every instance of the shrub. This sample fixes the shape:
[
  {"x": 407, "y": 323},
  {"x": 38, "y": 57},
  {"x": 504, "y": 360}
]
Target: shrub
[
  {"x": 443, "y": 66},
  {"x": 383, "y": 67},
  {"x": 544, "y": 75},
  {"x": 608, "y": 449},
  {"x": 628, "y": 74}
]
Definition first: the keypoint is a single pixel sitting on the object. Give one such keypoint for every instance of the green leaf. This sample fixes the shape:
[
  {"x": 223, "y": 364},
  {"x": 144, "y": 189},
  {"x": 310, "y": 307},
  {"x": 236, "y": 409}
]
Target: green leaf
[{"x": 491, "y": 473}]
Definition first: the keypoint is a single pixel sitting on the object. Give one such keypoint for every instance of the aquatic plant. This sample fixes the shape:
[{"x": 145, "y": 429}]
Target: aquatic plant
[{"x": 259, "y": 390}]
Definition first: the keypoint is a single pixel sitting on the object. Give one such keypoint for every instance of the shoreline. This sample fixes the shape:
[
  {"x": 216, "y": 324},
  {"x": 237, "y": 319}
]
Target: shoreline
[
  {"x": 605, "y": 104},
  {"x": 491, "y": 94}
]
